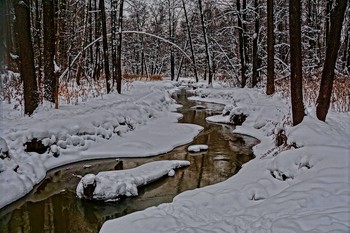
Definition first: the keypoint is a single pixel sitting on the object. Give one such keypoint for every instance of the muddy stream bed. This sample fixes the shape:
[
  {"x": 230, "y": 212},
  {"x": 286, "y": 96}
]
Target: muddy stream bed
[{"x": 53, "y": 206}]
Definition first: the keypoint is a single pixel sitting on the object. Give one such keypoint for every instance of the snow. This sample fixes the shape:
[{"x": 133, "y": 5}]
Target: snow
[
  {"x": 113, "y": 184},
  {"x": 197, "y": 148},
  {"x": 302, "y": 186},
  {"x": 138, "y": 123}
]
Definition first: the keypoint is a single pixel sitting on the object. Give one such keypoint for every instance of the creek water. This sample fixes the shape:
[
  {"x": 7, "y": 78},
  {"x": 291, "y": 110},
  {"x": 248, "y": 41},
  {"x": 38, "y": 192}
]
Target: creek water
[{"x": 53, "y": 206}]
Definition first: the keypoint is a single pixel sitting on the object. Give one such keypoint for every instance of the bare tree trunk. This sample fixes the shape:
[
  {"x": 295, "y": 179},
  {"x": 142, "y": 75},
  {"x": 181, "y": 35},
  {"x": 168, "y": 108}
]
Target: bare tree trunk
[
  {"x": 296, "y": 61},
  {"x": 3, "y": 35},
  {"x": 82, "y": 45},
  {"x": 97, "y": 22},
  {"x": 26, "y": 55},
  {"x": 206, "y": 43},
  {"x": 114, "y": 6},
  {"x": 324, "y": 96},
  {"x": 270, "y": 85},
  {"x": 171, "y": 38},
  {"x": 49, "y": 50},
  {"x": 255, "y": 45},
  {"x": 241, "y": 44},
  {"x": 328, "y": 16},
  {"x": 119, "y": 48},
  {"x": 181, "y": 63},
  {"x": 105, "y": 44},
  {"x": 190, "y": 40}
]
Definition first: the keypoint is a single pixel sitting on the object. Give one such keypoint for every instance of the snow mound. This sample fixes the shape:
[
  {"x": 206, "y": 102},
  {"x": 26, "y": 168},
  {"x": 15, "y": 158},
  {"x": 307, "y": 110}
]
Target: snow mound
[
  {"x": 301, "y": 188},
  {"x": 114, "y": 184},
  {"x": 197, "y": 148}
]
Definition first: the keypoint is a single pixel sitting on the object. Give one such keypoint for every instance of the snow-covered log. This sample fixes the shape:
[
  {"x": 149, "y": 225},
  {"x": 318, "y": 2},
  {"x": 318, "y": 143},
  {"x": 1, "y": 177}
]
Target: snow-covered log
[{"x": 113, "y": 184}]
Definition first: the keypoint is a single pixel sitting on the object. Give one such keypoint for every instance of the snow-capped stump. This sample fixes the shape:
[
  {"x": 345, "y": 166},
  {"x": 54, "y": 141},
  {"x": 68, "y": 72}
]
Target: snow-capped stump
[
  {"x": 197, "y": 148},
  {"x": 238, "y": 119},
  {"x": 111, "y": 185},
  {"x": 198, "y": 107},
  {"x": 227, "y": 109}
]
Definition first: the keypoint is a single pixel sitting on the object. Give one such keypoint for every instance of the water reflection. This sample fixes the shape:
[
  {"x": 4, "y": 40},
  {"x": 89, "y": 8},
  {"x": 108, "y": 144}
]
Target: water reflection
[{"x": 53, "y": 206}]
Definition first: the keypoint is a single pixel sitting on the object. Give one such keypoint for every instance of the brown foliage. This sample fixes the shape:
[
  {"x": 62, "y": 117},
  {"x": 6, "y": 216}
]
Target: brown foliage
[
  {"x": 151, "y": 77},
  {"x": 340, "y": 100}
]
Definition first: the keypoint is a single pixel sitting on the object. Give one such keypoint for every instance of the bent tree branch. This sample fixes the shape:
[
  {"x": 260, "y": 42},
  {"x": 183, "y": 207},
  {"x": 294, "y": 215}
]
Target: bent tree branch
[{"x": 64, "y": 73}]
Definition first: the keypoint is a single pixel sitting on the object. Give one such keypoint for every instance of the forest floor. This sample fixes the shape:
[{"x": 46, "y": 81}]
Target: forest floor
[{"x": 301, "y": 185}]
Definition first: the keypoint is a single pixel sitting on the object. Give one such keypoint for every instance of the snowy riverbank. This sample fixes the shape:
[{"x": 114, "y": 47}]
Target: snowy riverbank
[
  {"x": 138, "y": 123},
  {"x": 300, "y": 186}
]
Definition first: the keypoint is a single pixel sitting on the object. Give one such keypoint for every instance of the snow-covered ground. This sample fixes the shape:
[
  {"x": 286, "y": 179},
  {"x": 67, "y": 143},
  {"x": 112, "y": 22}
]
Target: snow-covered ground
[
  {"x": 141, "y": 122},
  {"x": 111, "y": 185},
  {"x": 300, "y": 186}
]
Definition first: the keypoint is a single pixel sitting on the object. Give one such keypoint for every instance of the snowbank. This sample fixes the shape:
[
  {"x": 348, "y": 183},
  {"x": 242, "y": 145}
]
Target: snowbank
[
  {"x": 140, "y": 122},
  {"x": 197, "y": 148},
  {"x": 113, "y": 184},
  {"x": 300, "y": 186}
]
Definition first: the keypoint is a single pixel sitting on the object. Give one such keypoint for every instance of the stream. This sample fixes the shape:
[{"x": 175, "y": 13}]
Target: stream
[{"x": 53, "y": 206}]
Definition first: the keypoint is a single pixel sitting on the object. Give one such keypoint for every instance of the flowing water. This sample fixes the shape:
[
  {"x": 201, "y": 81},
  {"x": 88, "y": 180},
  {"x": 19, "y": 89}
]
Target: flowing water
[{"x": 53, "y": 206}]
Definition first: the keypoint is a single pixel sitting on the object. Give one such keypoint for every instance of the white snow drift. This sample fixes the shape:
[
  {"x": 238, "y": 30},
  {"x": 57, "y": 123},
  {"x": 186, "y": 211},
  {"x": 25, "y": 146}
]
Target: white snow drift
[
  {"x": 197, "y": 148},
  {"x": 140, "y": 122},
  {"x": 113, "y": 184},
  {"x": 301, "y": 186}
]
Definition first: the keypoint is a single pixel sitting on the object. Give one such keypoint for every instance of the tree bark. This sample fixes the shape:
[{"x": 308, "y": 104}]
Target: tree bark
[
  {"x": 255, "y": 45},
  {"x": 171, "y": 38},
  {"x": 324, "y": 96},
  {"x": 105, "y": 44},
  {"x": 190, "y": 41},
  {"x": 3, "y": 35},
  {"x": 270, "y": 85},
  {"x": 296, "y": 61},
  {"x": 114, "y": 19},
  {"x": 241, "y": 44},
  {"x": 49, "y": 50},
  {"x": 26, "y": 55},
  {"x": 119, "y": 48},
  {"x": 206, "y": 43}
]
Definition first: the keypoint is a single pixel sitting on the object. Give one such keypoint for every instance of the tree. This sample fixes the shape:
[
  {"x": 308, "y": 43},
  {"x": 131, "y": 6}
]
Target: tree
[
  {"x": 49, "y": 50},
  {"x": 105, "y": 44},
  {"x": 255, "y": 45},
  {"x": 270, "y": 85},
  {"x": 2, "y": 38},
  {"x": 241, "y": 44},
  {"x": 26, "y": 57},
  {"x": 119, "y": 48},
  {"x": 296, "y": 61},
  {"x": 190, "y": 41},
  {"x": 333, "y": 44},
  {"x": 206, "y": 43}
]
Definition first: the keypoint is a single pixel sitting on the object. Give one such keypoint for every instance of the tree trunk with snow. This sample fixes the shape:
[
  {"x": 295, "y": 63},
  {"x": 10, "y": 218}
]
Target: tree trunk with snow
[{"x": 324, "y": 96}]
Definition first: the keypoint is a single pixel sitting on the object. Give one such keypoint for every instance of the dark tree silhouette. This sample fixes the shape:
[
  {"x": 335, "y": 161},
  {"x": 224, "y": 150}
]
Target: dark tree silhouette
[
  {"x": 26, "y": 57},
  {"x": 270, "y": 85},
  {"x": 296, "y": 78},
  {"x": 49, "y": 50},
  {"x": 333, "y": 44}
]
